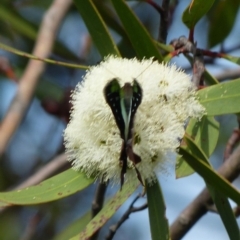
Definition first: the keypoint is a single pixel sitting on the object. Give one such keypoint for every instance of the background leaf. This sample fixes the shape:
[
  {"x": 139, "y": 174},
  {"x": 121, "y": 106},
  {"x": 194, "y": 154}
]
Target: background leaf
[
  {"x": 231, "y": 58},
  {"x": 222, "y": 12},
  {"x": 195, "y": 11},
  {"x": 97, "y": 28},
  {"x": 74, "y": 228},
  {"x": 141, "y": 40},
  {"x": 210, "y": 176},
  {"x": 157, "y": 212},
  {"x": 205, "y": 135},
  {"x": 108, "y": 210},
  {"x": 221, "y": 98},
  {"x": 57, "y": 187},
  {"x": 221, "y": 202}
]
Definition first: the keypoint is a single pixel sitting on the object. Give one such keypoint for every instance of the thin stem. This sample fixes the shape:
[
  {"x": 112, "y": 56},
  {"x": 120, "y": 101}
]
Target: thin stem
[{"x": 113, "y": 229}]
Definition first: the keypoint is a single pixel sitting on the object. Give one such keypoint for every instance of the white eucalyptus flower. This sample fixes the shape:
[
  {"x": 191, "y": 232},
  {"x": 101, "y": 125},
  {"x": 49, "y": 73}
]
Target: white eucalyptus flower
[{"x": 92, "y": 138}]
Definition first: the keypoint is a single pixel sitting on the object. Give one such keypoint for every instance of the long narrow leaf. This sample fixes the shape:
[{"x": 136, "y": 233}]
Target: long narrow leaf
[
  {"x": 210, "y": 176},
  {"x": 57, "y": 187},
  {"x": 107, "y": 211},
  {"x": 195, "y": 11},
  {"x": 221, "y": 98},
  {"x": 141, "y": 41},
  {"x": 157, "y": 212},
  {"x": 222, "y": 204},
  {"x": 205, "y": 134},
  {"x": 97, "y": 28}
]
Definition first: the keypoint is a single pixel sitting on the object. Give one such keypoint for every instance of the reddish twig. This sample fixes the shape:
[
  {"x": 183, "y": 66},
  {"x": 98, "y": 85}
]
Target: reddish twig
[
  {"x": 7, "y": 69},
  {"x": 232, "y": 142}
]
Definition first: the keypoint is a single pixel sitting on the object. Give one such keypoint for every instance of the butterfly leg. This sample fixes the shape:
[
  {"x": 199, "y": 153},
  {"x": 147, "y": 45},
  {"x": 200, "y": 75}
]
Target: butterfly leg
[{"x": 123, "y": 163}]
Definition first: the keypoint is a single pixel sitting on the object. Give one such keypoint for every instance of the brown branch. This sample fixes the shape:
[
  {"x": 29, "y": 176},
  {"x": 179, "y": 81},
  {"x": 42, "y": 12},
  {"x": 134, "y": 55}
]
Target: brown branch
[
  {"x": 195, "y": 210},
  {"x": 232, "y": 142},
  {"x": 113, "y": 229},
  {"x": 28, "y": 82},
  {"x": 228, "y": 74}
]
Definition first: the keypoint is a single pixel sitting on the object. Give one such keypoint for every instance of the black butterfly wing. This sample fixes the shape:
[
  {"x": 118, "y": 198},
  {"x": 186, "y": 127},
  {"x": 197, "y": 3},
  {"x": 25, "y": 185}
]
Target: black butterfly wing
[
  {"x": 112, "y": 97},
  {"x": 136, "y": 101}
]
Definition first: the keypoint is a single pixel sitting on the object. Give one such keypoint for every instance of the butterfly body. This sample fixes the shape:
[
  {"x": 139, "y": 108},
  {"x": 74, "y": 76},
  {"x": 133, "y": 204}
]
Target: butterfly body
[{"x": 124, "y": 102}]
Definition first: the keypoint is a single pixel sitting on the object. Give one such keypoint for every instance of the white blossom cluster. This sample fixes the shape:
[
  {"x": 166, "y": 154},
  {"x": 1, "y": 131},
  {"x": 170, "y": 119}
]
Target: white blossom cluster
[{"x": 92, "y": 138}]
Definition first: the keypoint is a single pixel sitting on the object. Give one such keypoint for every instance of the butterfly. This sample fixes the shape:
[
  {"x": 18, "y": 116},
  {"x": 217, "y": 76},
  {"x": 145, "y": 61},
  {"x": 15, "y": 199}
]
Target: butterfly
[{"x": 124, "y": 102}]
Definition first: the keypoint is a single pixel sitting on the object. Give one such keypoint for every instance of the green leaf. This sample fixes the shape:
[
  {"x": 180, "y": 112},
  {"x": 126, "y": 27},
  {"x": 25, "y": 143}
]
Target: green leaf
[
  {"x": 209, "y": 78},
  {"x": 17, "y": 22},
  {"x": 223, "y": 11},
  {"x": 205, "y": 135},
  {"x": 141, "y": 41},
  {"x": 74, "y": 228},
  {"x": 195, "y": 11},
  {"x": 157, "y": 212},
  {"x": 110, "y": 17},
  {"x": 107, "y": 211},
  {"x": 221, "y": 98},
  {"x": 24, "y": 27},
  {"x": 97, "y": 28},
  {"x": 210, "y": 176},
  {"x": 231, "y": 58},
  {"x": 57, "y": 187},
  {"x": 225, "y": 211},
  {"x": 222, "y": 204}
]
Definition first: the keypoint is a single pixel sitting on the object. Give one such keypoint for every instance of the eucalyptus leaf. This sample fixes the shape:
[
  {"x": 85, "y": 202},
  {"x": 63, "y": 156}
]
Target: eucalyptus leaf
[
  {"x": 210, "y": 176},
  {"x": 221, "y": 98},
  {"x": 108, "y": 210},
  {"x": 157, "y": 212},
  {"x": 141, "y": 40},
  {"x": 222, "y": 11},
  {"x": 222, "y": 204},
  {"x": 195, "y": 11},
  {"x": 205, "y": 135},
  {"x": 97, "y": 28},
  {"x": 231, "y": 58},
  {"x": 57, "y": 187}
]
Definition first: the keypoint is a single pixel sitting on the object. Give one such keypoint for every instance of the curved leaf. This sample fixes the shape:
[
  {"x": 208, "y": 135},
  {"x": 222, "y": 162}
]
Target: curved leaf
[
  {"x": 157, "y": 212},
  {"x": 141, "y": 41},
  {"x": 97, "y": 28},
  {"x": 195, "y": 11},
  {"x": 222, "y": 204},
  {"x": 205, "y": 134},
  {"x": 225, "y": 211},
  {"x": 57, "y": 187},
  {"x": 209, "y": 78},
  {"x": 27, "y": 29},
  {"x": 224, "y": 11},
  {"x": 210, "y": 176},
  {"x": 231, "y": 58},
  {"x": 221, "y": 98}
]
